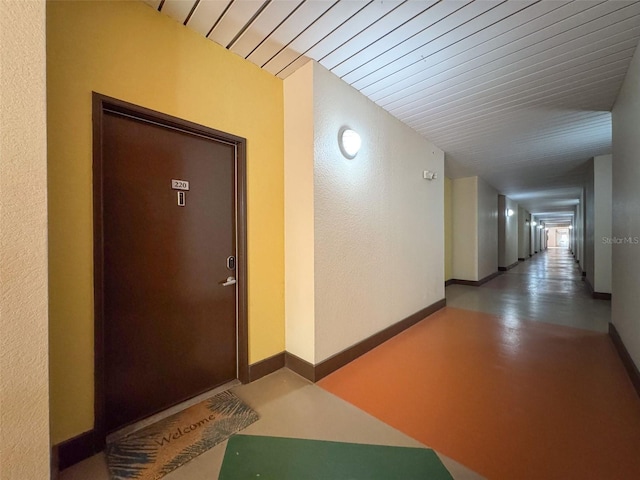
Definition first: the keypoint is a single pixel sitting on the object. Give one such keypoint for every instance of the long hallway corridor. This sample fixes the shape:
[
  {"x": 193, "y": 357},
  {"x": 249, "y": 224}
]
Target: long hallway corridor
[
  {"x": 514, "y": 379},
  {"x": 547, "y": 288}
]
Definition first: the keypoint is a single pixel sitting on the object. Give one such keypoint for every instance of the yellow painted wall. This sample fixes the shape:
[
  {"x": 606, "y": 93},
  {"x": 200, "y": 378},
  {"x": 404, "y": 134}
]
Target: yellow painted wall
[
  {"x": 130, "y": 51},
  {"x": 448, "y": 229}
]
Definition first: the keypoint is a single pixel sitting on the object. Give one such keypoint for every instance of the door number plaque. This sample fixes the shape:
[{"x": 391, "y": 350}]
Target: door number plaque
[{"x": 179, "y": 184}]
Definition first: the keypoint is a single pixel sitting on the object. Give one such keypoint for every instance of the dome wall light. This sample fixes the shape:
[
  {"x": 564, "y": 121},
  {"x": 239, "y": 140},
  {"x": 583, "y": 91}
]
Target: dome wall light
[
  {"x": 350, "y": 142},
  {"x": 533, "y": 224},
  {"x": 508, "y": 212},
  {"x": 570, "y": 227}
]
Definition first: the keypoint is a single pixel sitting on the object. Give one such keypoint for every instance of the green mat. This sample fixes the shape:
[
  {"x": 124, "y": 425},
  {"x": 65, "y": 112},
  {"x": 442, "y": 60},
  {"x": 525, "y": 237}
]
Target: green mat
[{"x": 274, "y": 458}]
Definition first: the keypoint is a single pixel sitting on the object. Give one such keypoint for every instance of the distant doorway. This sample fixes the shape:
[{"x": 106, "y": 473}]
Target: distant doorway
[{"x": 558, "y": 237}]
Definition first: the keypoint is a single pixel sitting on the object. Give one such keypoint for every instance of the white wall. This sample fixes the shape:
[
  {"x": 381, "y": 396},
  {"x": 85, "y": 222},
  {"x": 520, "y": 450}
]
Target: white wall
[
  {"x": 524, "y": 234},
  {"x": 465, "y": 228},
  {"x": 448, "y": 228},
  {"x": 572, "y": 232},
  {"x": 487, "y": 229},
  {"x": 379, "y": 236},
  {"x": 578, "y": 230},
  {"x": 626, "y": 205},
  {"x": 586, "y": 261},
  {"x": 24, "y": 389},
  {"x": 299, "y": 214},
  {"x": 507, "y": 232},
  {"x": 602, "y": 190}
]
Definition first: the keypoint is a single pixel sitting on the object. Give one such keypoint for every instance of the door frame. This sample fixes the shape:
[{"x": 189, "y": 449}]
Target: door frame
[{"x": 102, "y": 104}]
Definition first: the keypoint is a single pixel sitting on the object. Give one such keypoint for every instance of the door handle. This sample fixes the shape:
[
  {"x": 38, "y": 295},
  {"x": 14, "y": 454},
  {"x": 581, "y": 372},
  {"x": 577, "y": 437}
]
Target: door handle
[{"x": 230, "y": 281}]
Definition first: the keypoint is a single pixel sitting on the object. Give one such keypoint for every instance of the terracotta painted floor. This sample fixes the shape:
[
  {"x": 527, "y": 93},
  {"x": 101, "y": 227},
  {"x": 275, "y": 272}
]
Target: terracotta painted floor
[{"x": 511, "y": 398}]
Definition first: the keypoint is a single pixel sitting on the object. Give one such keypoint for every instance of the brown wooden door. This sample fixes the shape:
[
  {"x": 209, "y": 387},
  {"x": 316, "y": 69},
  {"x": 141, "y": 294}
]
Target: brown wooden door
[{"x": 169, "y": 322}]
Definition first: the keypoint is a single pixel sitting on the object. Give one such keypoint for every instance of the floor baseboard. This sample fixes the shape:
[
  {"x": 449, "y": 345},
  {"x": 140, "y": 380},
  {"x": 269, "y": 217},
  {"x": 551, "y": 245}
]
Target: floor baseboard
[
  {"x": 265, "y": 367},
  {"x": 74, "y": 450},
  {"x": 475, "y": 283},
  {"x": 509, "y": 267},
  {"x": 316, "y": 372},
  {"x": 629, "y": 365},
  {"x": 83, "y": 446}
]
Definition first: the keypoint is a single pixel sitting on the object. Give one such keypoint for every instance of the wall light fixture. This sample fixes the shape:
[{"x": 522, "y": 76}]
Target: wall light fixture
[
  {"x": 350, "y": 142},
  {"x": 509, "y": 212}
]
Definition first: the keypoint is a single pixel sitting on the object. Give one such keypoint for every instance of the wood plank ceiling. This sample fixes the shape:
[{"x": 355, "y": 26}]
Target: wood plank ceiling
[{"x": 518, "y": 92}]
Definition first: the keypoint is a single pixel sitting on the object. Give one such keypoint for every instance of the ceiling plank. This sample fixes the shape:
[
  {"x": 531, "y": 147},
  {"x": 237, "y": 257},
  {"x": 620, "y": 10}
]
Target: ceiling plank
[
  {"x": 291, "y": 28},
  {"x": 580, "y": 59},
  {"x": 178, "y": 9},
  {"x": 556, "y": 48},
  {"x": 274, "y": 14},
  {"x": 351, "y": 69},
  {"x": 350, "y": 28},
  {"x": 324, "y": 25},
  {"x": 206, "y": 15},
  {"x": 378, "y": 29},
  {"x": 386, "y": 63},
  {"x": 234, "y": 20},
  {"x": 153, "y": 3}
]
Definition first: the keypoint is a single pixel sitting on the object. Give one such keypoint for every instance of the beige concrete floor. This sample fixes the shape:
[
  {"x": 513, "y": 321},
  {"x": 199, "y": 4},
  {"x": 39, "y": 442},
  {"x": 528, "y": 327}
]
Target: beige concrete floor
[
  {"x": 547, "y": 288},
  {"x": 289, "y": 406}
]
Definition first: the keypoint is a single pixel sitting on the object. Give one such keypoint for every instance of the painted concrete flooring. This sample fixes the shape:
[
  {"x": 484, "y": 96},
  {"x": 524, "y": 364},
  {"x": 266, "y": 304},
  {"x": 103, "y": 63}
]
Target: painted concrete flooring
[
  {"x": 548, "y": 288},
  {"x": 515, "y": 379},
  {"x": 513, "y": 393},
  {"x": 289, "y": 406}
]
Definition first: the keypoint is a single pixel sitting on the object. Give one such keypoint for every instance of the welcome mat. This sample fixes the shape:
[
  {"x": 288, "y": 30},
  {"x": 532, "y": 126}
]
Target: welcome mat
[
  {"x": 274, "y": 458},
  {"x": 158, "y": 449}
]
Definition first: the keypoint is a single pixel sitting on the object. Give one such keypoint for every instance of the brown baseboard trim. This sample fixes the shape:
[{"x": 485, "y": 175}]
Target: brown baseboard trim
[
  {"x": 299, "y": 366},
  {"x": 508, "y": 267},
  {"x": 596, "y": 295},
  {"x": 265, "y": 367},
  {"x": 339, "y": 360},
  {"x": 601, "y": 296},
  {"x": 451, "y": 281},
  {"x": 317, "y": 372},
  {"x": 584, "y": 274},
  {"x": 476, "y": 283},
  {"x": 627, "y": 361},
  {"x": 54, "y": 462},
  {"x": 521, "y": 259},
  {"x": 75, "y": 449}
]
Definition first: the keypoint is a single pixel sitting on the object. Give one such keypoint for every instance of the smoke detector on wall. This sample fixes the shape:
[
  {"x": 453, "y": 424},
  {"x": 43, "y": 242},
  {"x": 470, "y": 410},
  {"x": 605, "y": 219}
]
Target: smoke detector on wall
[{"x": 429, "y": 175}]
